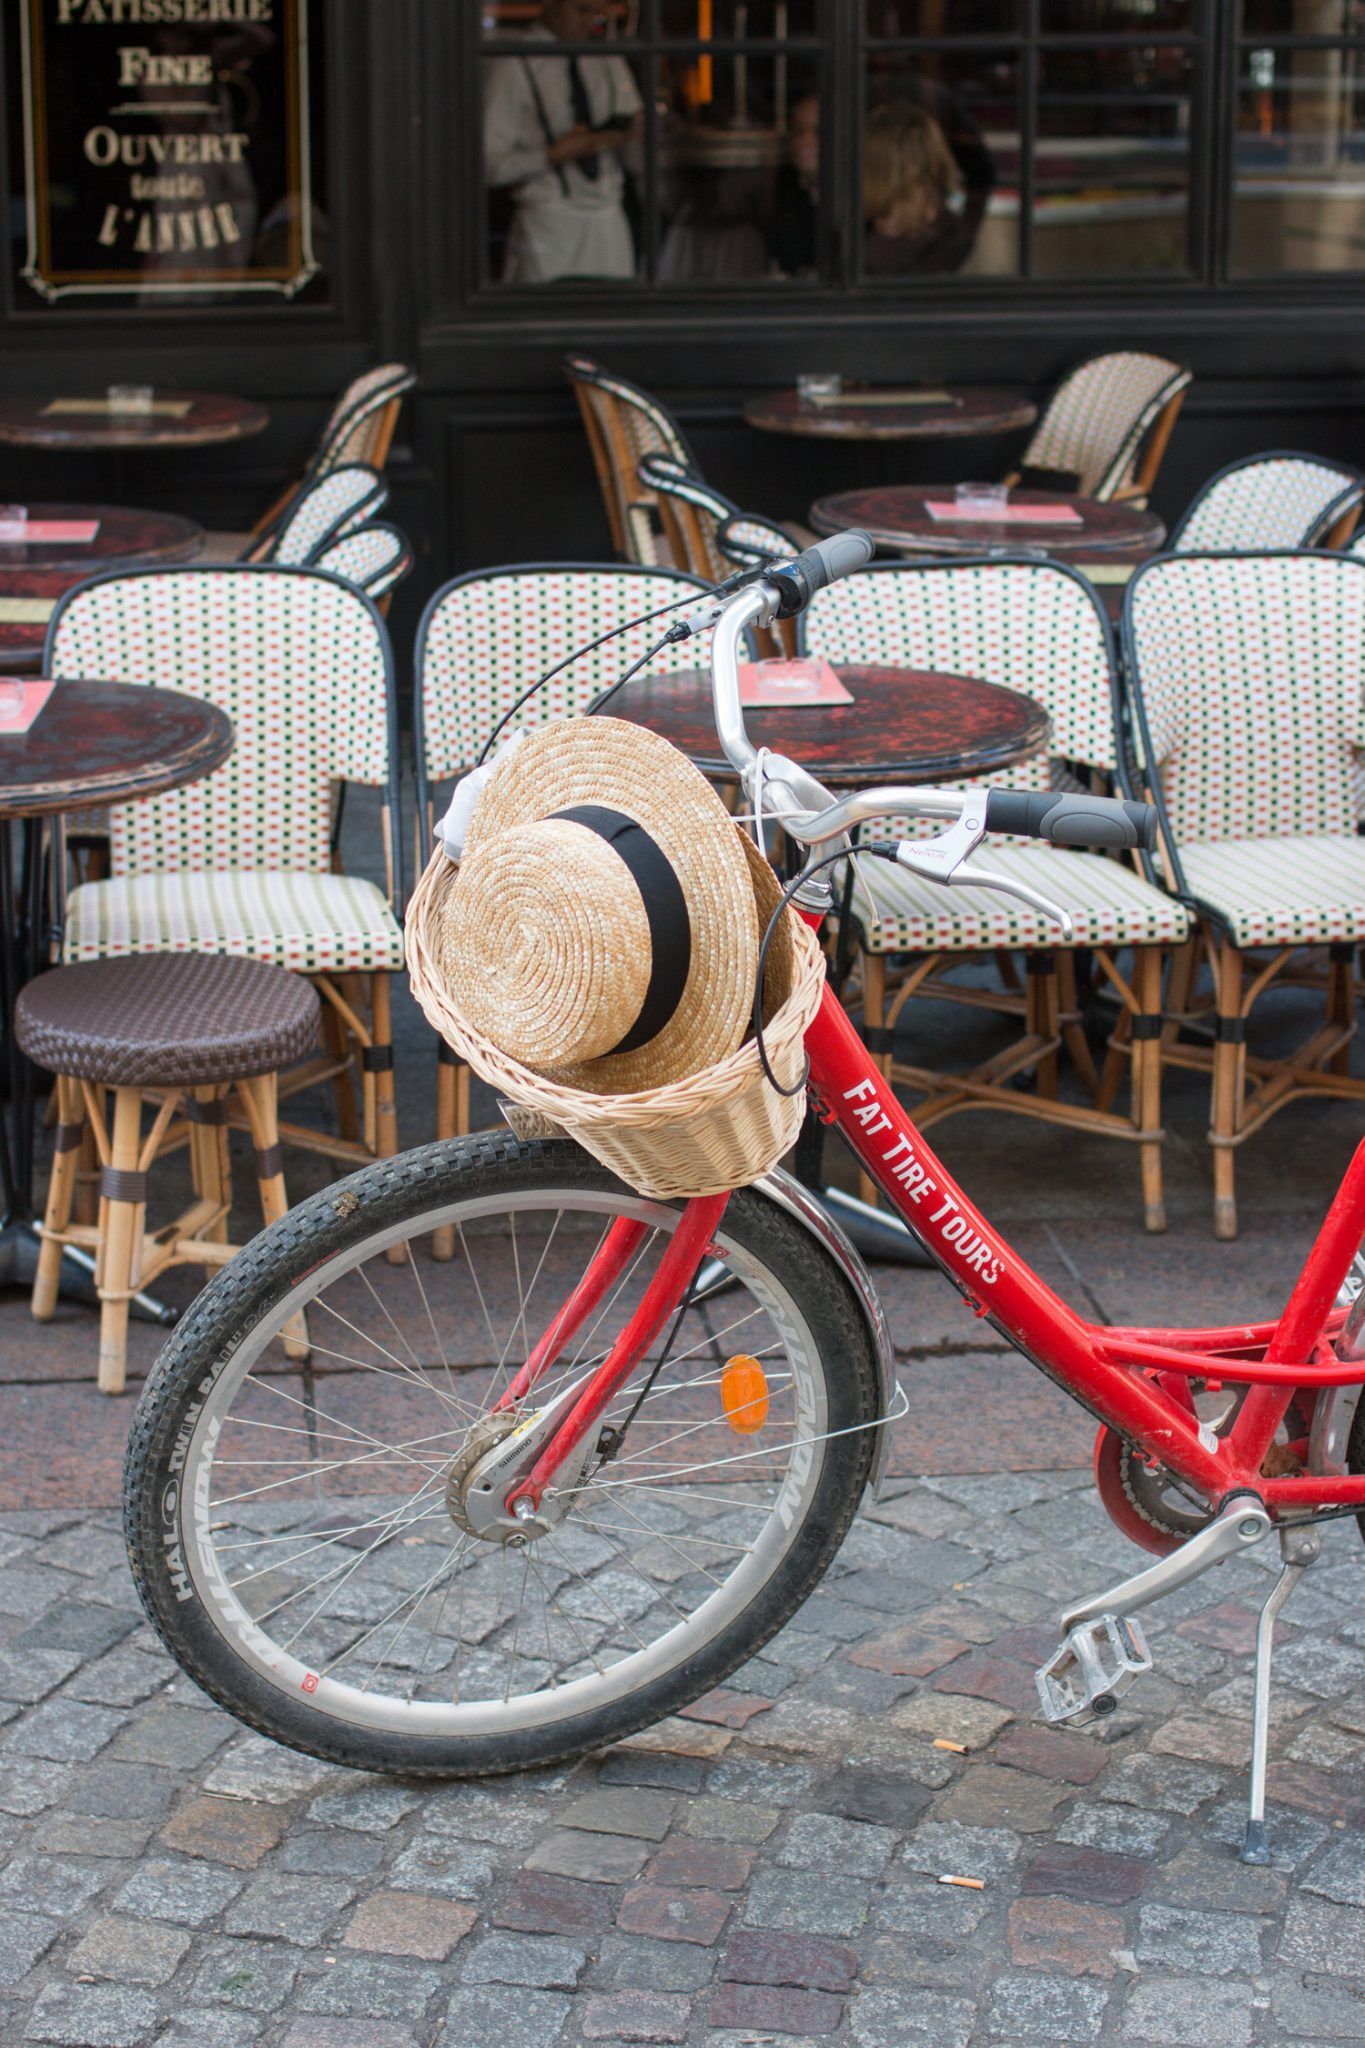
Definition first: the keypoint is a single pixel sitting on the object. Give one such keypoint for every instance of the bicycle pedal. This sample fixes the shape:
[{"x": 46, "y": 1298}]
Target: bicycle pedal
[{"x": 1096, "y": 1664}]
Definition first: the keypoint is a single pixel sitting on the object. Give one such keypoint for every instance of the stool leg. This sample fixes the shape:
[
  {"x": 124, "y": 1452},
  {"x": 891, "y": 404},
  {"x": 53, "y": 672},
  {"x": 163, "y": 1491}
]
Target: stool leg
[
  {"x": 122, "y": 1218},
  {"x": 71, "y": 1134},
  {"x": 337, "y": 1044},
  {"x": 209, "y": 1165},
  {"x": 87, "y": 1199},
  {"x": 260, "y": 1097}
]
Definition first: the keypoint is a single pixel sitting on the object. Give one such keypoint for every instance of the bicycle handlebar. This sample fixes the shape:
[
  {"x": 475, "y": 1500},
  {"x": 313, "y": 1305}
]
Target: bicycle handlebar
[
  {"x": 1072, "y": 820},
  {"x": 797, "y": 581}
]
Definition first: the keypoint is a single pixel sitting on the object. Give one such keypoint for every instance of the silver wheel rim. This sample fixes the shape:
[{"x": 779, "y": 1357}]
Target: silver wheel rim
[{"x": 220, "y": 1540}]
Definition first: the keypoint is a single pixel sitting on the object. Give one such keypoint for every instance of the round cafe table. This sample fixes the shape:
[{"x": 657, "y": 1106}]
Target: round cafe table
[
  {"x": 92, "y": 743},
  {"x": 897, "y": 518},
  {"x": 28, "y": 598},
  {"x": 904, "y": 725},
  {"x": 870, "y": 413},
  {"x": 124, "y": 537},
  {"x": 180, "y": 419}
]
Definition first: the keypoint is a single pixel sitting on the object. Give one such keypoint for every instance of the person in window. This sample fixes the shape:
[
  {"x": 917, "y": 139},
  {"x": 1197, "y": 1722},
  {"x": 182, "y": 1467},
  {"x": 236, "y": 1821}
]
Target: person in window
[
  {"x": 792, "y": 238},
  {"x": 911, "y": 186},
  {"x": 554, "y": 132}
]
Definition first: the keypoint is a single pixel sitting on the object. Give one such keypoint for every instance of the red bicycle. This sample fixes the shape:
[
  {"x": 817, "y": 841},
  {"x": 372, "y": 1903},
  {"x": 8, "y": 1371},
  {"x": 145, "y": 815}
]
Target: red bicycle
[{"x": 504, "y": 1510}]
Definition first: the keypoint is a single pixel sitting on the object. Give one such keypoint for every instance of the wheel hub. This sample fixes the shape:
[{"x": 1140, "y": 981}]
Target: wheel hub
[{"x": 474, "y": 1499}]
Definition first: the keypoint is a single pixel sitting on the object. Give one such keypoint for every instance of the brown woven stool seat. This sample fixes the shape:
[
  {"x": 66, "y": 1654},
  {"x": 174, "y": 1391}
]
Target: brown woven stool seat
[{"x": 166, "y": 1020}]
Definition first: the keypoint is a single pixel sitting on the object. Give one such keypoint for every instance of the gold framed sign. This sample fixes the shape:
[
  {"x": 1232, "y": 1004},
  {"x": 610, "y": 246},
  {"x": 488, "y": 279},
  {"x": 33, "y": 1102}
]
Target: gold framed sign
[{"x": 167, "y": 148}]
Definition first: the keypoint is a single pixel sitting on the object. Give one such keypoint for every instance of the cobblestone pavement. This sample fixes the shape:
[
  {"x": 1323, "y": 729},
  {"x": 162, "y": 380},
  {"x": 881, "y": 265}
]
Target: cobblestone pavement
[{"x": 766, "y": 1866}]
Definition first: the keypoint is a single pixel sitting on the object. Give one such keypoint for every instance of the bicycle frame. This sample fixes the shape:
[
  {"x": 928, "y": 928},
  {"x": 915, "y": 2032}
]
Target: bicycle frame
[{"x": 1135, "y": 1381}]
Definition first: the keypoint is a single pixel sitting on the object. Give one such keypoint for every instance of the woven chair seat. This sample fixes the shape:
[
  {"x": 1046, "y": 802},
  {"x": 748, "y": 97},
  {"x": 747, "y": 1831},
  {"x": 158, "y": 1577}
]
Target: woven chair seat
[
  {"x": 1281, "y": 892},
  {"x": 167, "y": 1020},
  {"x": 315, "y": 924},
  {"x": 897, "y": 912}
]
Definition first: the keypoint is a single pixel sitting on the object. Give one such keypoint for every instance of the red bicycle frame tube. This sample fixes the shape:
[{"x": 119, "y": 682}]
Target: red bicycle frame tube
[{"x": 1129, "y": 1379}]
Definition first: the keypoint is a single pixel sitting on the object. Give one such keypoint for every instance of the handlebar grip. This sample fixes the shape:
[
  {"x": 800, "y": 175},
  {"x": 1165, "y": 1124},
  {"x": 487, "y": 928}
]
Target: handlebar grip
[
  {"x": 798, "y": 580},
  {"x": 1071, "y": 820}
]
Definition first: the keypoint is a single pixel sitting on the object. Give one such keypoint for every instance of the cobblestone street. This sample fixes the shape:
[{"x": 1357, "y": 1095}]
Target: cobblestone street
[{"x": 766, "y": 1866}]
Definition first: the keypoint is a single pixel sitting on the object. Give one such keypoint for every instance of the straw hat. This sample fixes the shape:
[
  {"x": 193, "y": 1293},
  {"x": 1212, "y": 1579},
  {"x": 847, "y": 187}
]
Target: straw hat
[{"x": 604, "y": 929}]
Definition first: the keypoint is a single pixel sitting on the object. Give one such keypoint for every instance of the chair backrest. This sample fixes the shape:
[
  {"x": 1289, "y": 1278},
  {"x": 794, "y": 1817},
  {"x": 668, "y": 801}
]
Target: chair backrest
[
  {"x": 1247, "y": 673},
  {"x": 301, "y": 663},
  {"x": 486, "y": 636},
  {"x": 1279, "y": 500},
  {"x": 362, "y": 422},
  {"x": 747, "y": 541},
  {"x": 1104, "y": 417},
  {"x": 624, "y": 424},
  {"x": 374, "y": 558},
  {"x": 1034, "y": 626},
  {"x": 691, "y": 513},
  {"x": 325, "y": 509}
]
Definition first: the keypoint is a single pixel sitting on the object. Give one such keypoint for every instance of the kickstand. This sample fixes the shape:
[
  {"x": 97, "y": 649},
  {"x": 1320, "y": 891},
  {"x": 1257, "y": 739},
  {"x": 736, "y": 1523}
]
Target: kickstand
[{"x": 1298, "y": 1548}]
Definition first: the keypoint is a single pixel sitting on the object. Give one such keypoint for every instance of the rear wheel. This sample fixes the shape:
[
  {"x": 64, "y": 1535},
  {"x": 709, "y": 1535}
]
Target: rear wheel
[{"x": 298, "y": 1526}]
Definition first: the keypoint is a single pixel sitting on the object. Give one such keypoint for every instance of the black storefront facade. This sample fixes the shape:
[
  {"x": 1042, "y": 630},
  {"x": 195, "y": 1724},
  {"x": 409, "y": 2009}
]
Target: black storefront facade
[{"x": 1180, "y": 175}]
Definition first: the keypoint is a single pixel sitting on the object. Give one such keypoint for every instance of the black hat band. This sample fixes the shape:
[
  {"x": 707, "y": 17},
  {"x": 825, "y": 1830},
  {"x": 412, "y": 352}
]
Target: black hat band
[{"x": 670, "y": 928}]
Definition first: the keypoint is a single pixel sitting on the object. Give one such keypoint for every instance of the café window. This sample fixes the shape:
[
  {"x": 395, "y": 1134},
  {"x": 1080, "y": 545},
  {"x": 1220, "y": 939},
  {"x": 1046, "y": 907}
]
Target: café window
[
  {"x": 163, "y": 155},
  {"x": 665, "y": 142},
  {"x": 1299, "y": 186}
]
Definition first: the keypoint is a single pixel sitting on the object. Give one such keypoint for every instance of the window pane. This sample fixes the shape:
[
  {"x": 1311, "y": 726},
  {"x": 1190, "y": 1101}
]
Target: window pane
[
  {"x": 775, "y": 19},
  {"x": 944, "y": 17},
  {"x": 1119, "y": 17},
  {"x": 1299, "y": 200},
  {"x": 580, "y": 20},
  {"x": 939, "y": 164},
  {"x": 739, "y": 169},
  {"x": 1303, "y": 17},
  {"x": 178, "y": 166},
  {"x": 1111, "y": 181}
]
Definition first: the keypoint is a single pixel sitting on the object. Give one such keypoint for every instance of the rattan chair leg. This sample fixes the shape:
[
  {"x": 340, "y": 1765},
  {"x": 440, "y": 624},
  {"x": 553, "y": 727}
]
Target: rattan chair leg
[
  {"x": 61, "y": 1191},
  {"x": 1072, "y": 1029},
  {"x": 335, "y": 1043},
  {"x": 874, "y": 1026},
  {"x": 210, "y": 1170},
  {"x": 452, "y": 1121},
  {"x": 121, "y": 1225},
  {"x": 1040, "y": 1016},
  {"x": 385, "y": 1106},
  {"x": 1229, "y": 1083},
  {"x": 87, "y": 1202},
  {"x": 1145, "y": 1083},
  {"x": 1341, "y": 1003}
]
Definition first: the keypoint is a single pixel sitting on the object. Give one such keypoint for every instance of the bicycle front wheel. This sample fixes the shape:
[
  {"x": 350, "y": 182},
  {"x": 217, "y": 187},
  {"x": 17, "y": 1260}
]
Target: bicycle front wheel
[{"x": 295, "y": 1521}]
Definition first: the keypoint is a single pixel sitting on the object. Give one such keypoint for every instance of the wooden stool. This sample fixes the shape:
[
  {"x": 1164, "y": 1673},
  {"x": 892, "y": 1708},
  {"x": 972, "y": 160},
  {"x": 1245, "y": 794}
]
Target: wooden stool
[{"x": 191, "y": 1026}]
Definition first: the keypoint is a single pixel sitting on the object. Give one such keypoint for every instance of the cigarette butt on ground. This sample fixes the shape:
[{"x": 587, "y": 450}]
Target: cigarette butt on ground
[
  {"x": 972, "y": 1884},
  {"x": 958, "y": 1748}
]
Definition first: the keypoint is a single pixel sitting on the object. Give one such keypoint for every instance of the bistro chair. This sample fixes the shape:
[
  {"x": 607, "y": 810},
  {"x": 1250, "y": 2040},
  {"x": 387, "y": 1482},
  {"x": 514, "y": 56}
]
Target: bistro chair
[
  {"x": 1246, "y": 675},
  {"x": 241, "y": 863},
  {"x": 624, "y": 424},
  {"x": 693, "y": 515},
  {"x": 1037, "y": 627},
  {"x": 195, "y": 1028},
  {"x": 1265, "y": 502},
  {"x": 359, "y": 429},
  {"x": 325, "y": 510},
  {"x": 483, "y": 639},
  {"x": 1106, "y": 427},
  {"x": 375, "y": 558}
]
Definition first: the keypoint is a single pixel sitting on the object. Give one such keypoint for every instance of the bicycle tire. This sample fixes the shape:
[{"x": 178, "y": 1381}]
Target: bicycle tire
[{"x": 409, "y": 1195}]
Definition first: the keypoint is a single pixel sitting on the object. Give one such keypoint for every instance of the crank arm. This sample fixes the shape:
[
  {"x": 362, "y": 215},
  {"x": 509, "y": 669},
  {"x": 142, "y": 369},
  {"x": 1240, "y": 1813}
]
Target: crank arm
[{"x": 1240, "y": 1526}]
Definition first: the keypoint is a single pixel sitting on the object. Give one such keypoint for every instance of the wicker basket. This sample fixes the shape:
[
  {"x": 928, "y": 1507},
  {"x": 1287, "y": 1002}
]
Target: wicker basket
[{"x": 720, "y": 1128}]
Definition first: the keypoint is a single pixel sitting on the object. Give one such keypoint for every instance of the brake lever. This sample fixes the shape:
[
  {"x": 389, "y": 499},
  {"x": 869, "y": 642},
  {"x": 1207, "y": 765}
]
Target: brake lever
[{"x": 946, "y": 860}]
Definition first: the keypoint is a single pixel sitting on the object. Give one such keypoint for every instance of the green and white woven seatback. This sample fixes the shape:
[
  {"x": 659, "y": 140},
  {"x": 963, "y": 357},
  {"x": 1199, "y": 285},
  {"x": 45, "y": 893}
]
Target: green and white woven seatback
[
  {"x": 374, "y": 558},
  {"x": 488, "y": 635},
  {"x": 352, "y": 430},
  {"x": 1098, "y": 418},
  {"x": 241, "y": 861},
  {"x": 1268, "y": 501},
  {"x": 327, "y": 509}
]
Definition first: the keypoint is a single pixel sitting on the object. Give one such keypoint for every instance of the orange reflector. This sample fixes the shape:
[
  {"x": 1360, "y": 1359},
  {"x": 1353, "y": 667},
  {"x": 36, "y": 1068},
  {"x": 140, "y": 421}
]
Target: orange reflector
[{"x": 744, "y": 1394}]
